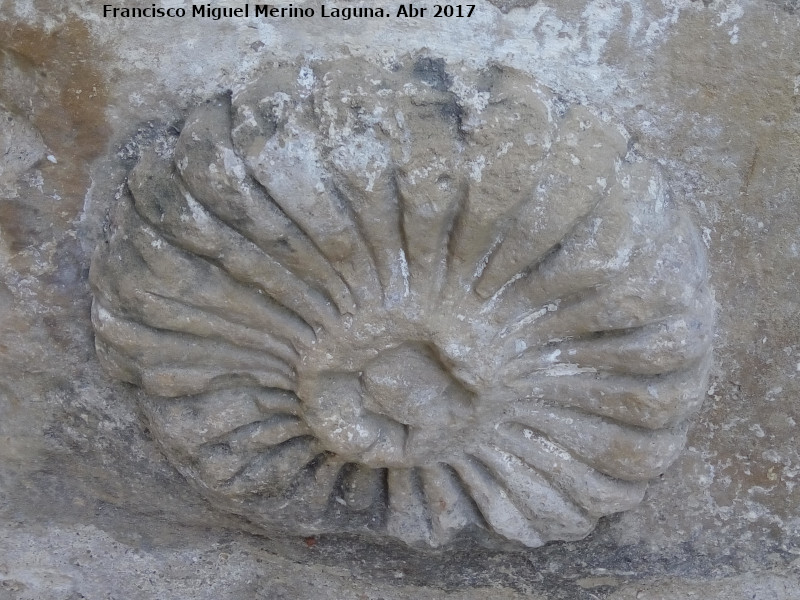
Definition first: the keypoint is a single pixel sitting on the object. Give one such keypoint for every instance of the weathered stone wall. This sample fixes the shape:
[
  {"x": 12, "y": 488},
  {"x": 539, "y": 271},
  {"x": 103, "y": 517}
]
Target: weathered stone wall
[{"x": 709, "y": 91}]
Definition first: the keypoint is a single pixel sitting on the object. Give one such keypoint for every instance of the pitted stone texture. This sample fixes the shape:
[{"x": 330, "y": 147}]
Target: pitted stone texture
[
  {"x": 414, "y": 301},
  {"x": 507, "y": 5},
  {"x": 21, "y": 147}
]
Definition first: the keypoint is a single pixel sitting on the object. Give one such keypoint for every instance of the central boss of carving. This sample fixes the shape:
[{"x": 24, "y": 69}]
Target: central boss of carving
[{"x": 412, "y": 301}]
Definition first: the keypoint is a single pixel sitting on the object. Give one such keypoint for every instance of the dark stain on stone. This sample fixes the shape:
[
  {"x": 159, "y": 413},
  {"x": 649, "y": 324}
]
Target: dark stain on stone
[
  {"x": 433, "y": 72},
  {"x": 21, "y": 224},
  {"x": 790, "y": 6},
  {"x": 507, "y": 5}
]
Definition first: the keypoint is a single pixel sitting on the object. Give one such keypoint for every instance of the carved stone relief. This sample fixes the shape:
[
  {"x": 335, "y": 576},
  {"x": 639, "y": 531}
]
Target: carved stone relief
[{"x": 413, "y": 301}]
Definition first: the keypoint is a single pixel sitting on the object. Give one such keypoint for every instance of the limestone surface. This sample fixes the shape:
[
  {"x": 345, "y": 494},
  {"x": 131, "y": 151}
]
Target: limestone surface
[
  {"x": 412, "y": 301},
  {"x": 90, "y": 504}
]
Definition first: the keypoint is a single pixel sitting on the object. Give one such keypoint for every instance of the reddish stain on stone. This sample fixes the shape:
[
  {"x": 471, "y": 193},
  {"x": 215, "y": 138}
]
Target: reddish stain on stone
[{"x": 61, "y": 90}]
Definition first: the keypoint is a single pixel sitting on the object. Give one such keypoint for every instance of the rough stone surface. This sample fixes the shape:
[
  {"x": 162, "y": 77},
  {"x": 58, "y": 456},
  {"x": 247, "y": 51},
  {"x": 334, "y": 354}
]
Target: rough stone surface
[
  {"x": 507, "y": 5},
  {"x": 407, "y": 301},
  {"x": 21, "y": 147},
  {"x": 709, "y": 91}
]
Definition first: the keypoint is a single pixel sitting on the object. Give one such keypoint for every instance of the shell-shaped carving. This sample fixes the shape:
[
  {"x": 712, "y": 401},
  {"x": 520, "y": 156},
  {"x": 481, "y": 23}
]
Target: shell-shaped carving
[{"x": 407, "y": 301}]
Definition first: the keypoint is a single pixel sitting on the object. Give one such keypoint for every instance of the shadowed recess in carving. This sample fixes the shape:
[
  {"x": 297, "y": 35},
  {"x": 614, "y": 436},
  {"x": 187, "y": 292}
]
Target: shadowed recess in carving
[{"x": 416, "y": 302}]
